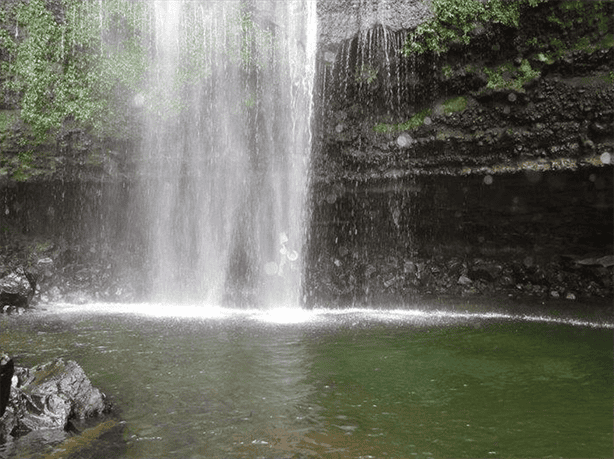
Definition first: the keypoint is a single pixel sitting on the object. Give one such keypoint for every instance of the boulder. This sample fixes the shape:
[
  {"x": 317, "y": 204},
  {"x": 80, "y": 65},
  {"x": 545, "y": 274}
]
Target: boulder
[
  {"x": 6, "y": 376},
  {"x": 49, "y": 396},
  {"x": 17, "y": 289}
]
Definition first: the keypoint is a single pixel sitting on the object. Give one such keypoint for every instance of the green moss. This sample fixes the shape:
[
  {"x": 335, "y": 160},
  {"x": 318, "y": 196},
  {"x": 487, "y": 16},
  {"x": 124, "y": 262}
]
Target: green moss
[
  {"x": 447, "y": 72},
  {"x": 22, "y": 173},
  {"x": 590, "y": 23},
  {"x": 607, "y": 41},
  {"x": 527, "y": 73},
  {"x": 455, "y": 20},
  {"x": 545, "y": 58},
  {"x": 61, "y": 70},
  {"x": 7, "y": 119},
  {"x": 414, "y": 122},
  {"x": 587, "y": 44},
  {"x": 570, "y": 14},
  {"x": 365, "y": 74},
  {"x": 22, "y": 164},
  {"x": 506, "y": 76},
  {"x": 383, "y": 128},
  {"x": 497, "y": 77},
  {"x": 458, "y": 104},
  {"x": 532, "y": 42},
  {"x": 583, "y": 44}
]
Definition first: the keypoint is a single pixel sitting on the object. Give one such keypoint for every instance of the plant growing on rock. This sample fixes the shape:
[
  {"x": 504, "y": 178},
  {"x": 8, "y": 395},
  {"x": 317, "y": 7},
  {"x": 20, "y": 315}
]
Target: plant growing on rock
[
  {"x": 70, "y": 60},
  {"x": 506, "y": 77},
  {"x": 456, "y": 20}
]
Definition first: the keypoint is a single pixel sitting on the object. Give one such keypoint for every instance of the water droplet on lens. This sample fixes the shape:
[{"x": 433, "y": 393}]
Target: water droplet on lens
[
  {"x": 270, "y": 268},
  {"x": 404, "y": 140}
]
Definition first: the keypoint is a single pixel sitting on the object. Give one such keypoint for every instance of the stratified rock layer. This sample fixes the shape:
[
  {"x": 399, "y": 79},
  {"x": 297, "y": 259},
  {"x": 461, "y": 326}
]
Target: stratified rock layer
[
  {"x": 486, "y": 169},
  {"x": 537, "y": 97}
]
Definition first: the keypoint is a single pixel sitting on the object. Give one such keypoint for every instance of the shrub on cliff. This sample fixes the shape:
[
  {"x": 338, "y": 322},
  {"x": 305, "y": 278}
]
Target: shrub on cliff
[
  {"x": 456, "y": 21},
  {"x": 70, "y": 60}
]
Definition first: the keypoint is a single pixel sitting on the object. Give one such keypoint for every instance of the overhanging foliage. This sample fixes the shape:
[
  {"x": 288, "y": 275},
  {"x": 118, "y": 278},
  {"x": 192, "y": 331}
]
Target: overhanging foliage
[{"x": 71, "y": 60}]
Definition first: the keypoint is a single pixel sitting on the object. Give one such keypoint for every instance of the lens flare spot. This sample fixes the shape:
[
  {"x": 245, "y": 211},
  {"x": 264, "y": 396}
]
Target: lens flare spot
[
  {"x": 606, "y": 158},
  {"x": 271, "y": 268}
]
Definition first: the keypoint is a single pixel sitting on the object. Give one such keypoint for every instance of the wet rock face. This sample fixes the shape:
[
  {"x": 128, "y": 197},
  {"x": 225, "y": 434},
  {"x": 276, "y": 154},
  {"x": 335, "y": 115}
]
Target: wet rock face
[
  {"x": 444, "y": 173},
  {"x": 48, "y": 396},
  {"x": 537, "y": 96},
  {"x": 53, "y": 230},
  {"x": 342, "y": 20},
  {"x": 546, "y": 235}
]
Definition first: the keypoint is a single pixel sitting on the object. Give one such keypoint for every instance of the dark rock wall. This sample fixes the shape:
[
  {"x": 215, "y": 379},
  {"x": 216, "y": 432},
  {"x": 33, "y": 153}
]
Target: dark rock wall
[
  {"x": 72, "y": 236},
  {"x": 509, "y": 100},
  {"x": 484, "y": 170},
  {"x": 537, "y": 234}
]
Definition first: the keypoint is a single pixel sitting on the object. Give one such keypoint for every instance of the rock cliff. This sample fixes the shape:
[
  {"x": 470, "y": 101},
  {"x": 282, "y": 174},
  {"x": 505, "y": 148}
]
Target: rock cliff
[{"x": 429, "y": 167}]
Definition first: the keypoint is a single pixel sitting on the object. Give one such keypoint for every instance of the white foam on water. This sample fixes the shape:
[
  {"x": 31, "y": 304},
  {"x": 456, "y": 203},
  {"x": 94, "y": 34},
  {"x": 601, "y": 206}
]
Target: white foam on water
[{"x": 297, "y": 316}]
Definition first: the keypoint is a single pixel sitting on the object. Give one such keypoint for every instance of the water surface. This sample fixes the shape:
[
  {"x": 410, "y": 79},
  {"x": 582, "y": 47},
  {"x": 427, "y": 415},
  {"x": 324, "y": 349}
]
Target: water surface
[{"x": 207, "y": 383}]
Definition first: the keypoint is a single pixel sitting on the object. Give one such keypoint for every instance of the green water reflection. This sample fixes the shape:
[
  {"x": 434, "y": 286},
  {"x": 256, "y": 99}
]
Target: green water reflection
[{"x": 239, "y": 389}]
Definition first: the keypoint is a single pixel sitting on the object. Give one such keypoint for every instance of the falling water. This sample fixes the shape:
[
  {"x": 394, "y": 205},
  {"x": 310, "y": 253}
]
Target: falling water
[
  {"x": 225, "y": 155},
  {"x": 370, "y": 68}
]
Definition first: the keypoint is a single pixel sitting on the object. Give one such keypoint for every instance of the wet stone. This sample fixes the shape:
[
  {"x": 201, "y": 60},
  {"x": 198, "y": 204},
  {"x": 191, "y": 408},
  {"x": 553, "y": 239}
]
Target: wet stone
[
  {"x": 48, "y": 396},
  {"x": 17, "y": 288},
  {"x": 486, "y": 271},
  {"x": 464, "y": 280}
]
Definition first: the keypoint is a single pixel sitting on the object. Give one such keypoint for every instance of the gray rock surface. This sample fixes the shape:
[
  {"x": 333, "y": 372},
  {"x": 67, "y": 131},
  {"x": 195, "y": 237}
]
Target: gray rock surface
[
  {"x": 17, "y": 288},
  {"x": 48, "y": 396},
  {"x": 342, "y": 20}
]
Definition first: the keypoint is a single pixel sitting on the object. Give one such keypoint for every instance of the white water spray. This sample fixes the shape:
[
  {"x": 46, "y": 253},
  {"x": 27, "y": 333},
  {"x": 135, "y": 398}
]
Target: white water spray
[
  {"x": 225, "y": 156},
  {"x": 417, "y": 316}
]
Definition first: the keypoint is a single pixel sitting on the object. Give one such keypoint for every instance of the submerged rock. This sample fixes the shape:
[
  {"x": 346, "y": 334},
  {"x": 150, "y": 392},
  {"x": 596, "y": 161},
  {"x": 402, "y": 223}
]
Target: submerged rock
[{"x": 48, "y": 397}]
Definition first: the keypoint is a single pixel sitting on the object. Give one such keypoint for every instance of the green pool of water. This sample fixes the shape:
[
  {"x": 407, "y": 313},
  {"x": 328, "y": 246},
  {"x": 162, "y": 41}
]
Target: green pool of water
[{"x": 330, "y": 384}]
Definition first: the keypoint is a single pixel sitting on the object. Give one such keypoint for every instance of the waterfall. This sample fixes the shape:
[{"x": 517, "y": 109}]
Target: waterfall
[
  {"x": 370, "y": 69},
  {"x": 225, "y": 152}
]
